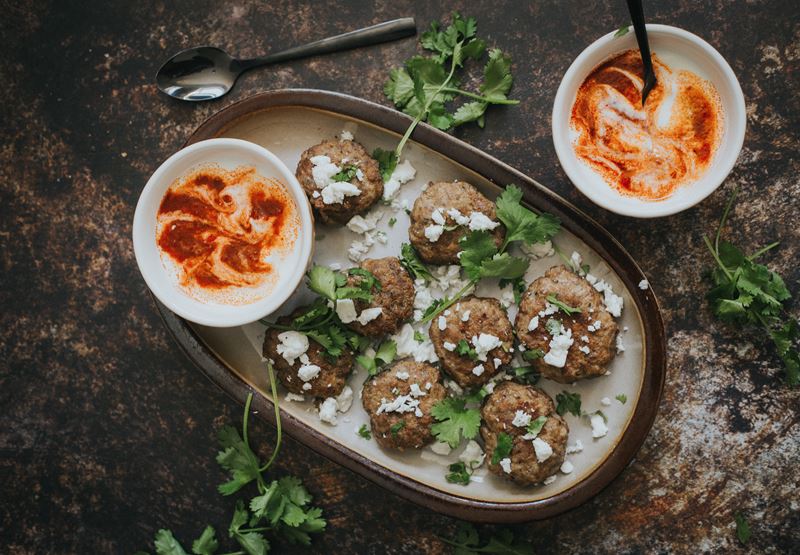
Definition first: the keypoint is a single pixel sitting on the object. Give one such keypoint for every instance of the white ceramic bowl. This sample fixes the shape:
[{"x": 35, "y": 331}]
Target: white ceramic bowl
[
  {"x": 680, "y": 50},
  {"x": 228, "y": 154}
]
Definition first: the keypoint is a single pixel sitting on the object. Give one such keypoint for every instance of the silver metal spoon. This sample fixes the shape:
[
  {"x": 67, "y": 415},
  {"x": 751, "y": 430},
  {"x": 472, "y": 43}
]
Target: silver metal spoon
[{"x": 206, "y": 73}]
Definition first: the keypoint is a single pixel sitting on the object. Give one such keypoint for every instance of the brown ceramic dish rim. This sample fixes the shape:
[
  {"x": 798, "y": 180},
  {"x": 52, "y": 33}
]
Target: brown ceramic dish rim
[{"x": 535, "y": 195}]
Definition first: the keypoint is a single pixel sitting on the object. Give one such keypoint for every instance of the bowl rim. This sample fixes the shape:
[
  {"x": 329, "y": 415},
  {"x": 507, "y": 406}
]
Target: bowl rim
[
  {"x": 161, "y": 286},
  {"x": 736, "y": 118}
]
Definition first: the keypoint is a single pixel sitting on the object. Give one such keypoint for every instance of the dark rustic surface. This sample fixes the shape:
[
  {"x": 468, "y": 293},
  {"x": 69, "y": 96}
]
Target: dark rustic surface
[{"x": 107, "y": 431}]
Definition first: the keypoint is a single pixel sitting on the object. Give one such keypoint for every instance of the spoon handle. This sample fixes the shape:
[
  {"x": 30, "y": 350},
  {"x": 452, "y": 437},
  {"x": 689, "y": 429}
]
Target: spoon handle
[
  {"x": 382, "y": 32},
  {"x": 637, "y": 17}
]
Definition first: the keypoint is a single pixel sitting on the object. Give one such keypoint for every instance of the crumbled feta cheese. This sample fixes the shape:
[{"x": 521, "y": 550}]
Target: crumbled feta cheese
[
  {"x": 306, "y": 386},
  {"x": 576, "y": 260},
  {"x": 442, "y": 322},
  {"x": 433, "y": 232},
  {"x": 336, "y": 192},
  {"x": 454, "y": 388},
  {"x": 538, "y": 250},
  {"x": 612, "y": 301},
  {"x": 605, "y": 401},
  {"x": 507, "y": 296},
  {"x": 576, "y": 448},
  {"x": 584, "y": 349},
  {"x": 358, "y": 249},
  {"x": 369, "y": 314},
  {"x": 521, "y": 419},
  {"x": 599, "y": 428},
  {"x": 458, "y": 217},
  {"x": 478, "y": 370},
  {"x": 345, "y": 136},
  {"x": 448, "y": 346},
  {"x": 359, "y": 174},
  {"x": 585, "y": 338},
  {"x": 292, "y": 345},
  {"x": 484, "y": 343},
  {"x": 408, "y": 346},
  {"x": 465, "y": 315},
  {"x": 315, "y": 194},
  {"x": 478, "y": 221},
  {"x": 644, "y": 285},
  {"x": 294, "y": 397},
  {"x": 505, "y": 464},
  {"x": 346, "y": 310},
  {"x": 549, "y": 480},
  {"x": 497, "y": 362},
  {"x": 345, "y": 399},
  {"x": 620, "y": 345},
  {"x": 323, "y": 170},
  {"x": 308, "y": 372},
  {"x": 438, "y": 217},
  {"x": 428, "y": 385},
  {"x": 567, "y": 467},
  {"x": 542, "y": 449},
  {"x": 441, "y": 448},
  {"x": 559, "y": 348},
  {"x": 533, "y": 323},
  {"x": 402, "y": 174},
  {"x": 401, "y": 404},
  {"x": 548, "y": 310},
  {"x": 361, "y": 225},
  {"x": 416, "y": 391},
  {"x": 327, "y": 411},
  {"x": 472, "y": 454},
  {"x": 402, "y": 376}
]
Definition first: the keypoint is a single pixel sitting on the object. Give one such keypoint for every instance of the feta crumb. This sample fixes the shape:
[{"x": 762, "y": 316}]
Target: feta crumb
[
  {"x": 521, "y": 419},
  {"x": 644, "y": 285},
  {"x": 548, "y": 310},
  {"x": 433, "y": 232},
  {"x": 306, "y": 386},
  {"x": 454, "y": 388},
  {"x": 361, "y": 225},
  {"x": 576, "y": 448},
  {"x": 505, "y": 464},
  {"x": 323, "y": 170},
  {"x": 472, "y": 454},
  {"x": 576, "y": 260},
  {"x": 599, "y": 428},
  {"x": 478, "y": 221},
  {"x": 415, "y": 391},
  {"x": 620, "y": 345},
  {"x": 345, "y": 399},
  {"x": 327, "y": 411},
  {"x": 585, "y": 338},
  {"x": 400, "y": 404},
  {"x": 345, "y": 135},
  {"x": 497, "y": 362},
  {"x": 478, "y": 370},
  {"x": 292, "y": 345},
  {"x": 484, "y": 343},
  {"x": 605, "y": 401},
  {"x": 549, "y": 480},
  {"x": 402, "y": 174},
  {"x": 437, "y": 216},
  {"x": 533, "y": 324},
  {"x": 559, "y": 348},
  {"x": 448, "y": 346},
  {"x": 442, "y": 323},
  {"x": 358, "y": 249},
  {"x": 567, "y": 467},
  {"x": 346, "y": 310},
  {"x": 458, "y": 217},
  {"x": 407, "y": 346},
  {"x": 584, "y": 349},
  {"x": 465, "y": 315},
  {"x": 542, "y": 449},
  {"x": 369, "y": 314},
  {"x": 294, "y": 397},
  {"x": 308, "y": 372},
  {"x": 612, "y": 301},
  {"x": 402, "y": 376},
  {"x": 441, "y": 448},
  {"x": 336, "y": 192},
  {"x": 428, "y": 385},
  {"x": 315, "y": 194}
]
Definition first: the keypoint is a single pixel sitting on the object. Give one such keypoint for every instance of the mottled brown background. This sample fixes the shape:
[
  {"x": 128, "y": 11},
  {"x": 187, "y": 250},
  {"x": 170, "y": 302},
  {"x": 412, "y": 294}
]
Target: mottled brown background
[{"x": 107, "y": 431}]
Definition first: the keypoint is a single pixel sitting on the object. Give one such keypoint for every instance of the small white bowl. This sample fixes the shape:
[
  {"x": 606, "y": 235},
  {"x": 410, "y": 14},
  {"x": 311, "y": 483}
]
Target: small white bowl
[
  {"x": 227, "y": 154},
  {"x": 679, "y": 49}
]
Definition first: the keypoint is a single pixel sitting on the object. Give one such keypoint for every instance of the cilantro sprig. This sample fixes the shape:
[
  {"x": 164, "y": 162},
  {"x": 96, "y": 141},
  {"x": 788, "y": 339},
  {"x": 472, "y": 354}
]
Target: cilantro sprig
[
  {"x": 383, "y": 356},
  {"x": 569, "y": 310},
  {"x": 568, "y": 403},
  {"x": 413, "y": 264},
  {"x": 482, "y": 258},
  {"x": 425, "y": 84},
  {"x": 468, "y": 542},
  {"x": 454, "y": 420},
  {"x": 280, "y": 507},
  {"x": 503, "y": 447},
  {"x": 746, "y": 293}
]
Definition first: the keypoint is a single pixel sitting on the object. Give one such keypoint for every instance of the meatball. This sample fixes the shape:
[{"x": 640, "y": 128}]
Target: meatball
[
  {"x": 443, "y": 215},
  {"x": 399, "y": 401},
  {"x": 483, "y": 324},
  {"x": 327, "y": 382},
  {"x": 395, "y": 297},
  {"x": 343, "y": 154},
  {"x": 593, "y": 330},
  {"x": 510, "y": 409}
]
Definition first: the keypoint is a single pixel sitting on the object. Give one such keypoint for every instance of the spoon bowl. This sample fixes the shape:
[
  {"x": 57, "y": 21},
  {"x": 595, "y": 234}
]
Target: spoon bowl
[{"x": 195, "y": 74}]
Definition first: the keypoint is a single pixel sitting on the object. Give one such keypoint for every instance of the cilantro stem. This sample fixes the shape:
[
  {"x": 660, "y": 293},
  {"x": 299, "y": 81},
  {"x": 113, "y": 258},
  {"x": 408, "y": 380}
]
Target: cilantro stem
[
  {"x": 277, "y": 418},
  {"x": 245, "y": 417},
  {"x": 761, "y": 251},
  {"x": 474, "y": 96},
  {"x": 715, "y": 254},
  {"x": 426, "y": 108},
  {"x": 449, "y": 302},
  {"x": 725, "y": 217}
]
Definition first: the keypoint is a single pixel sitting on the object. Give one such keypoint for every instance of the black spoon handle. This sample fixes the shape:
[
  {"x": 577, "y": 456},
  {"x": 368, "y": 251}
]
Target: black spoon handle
[
  {"x": 637, "y": 17},
  {"x": 382, "y": 32}
]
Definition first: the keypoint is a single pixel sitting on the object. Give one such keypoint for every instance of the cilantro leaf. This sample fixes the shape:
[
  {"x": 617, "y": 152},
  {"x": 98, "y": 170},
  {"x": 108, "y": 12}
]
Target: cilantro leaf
[
  {"x": 419, "y": 337},
  {"x": 412, "y": 263},
  {"x": 475, "y": 248},
  {"x": 206, "y": 544},
  {"x": 322, "y": 281},
  {"x": 347, "y": 173},
  {"x": 166, "y": 544},
  {"x": 503, "y": 448},
  {"x": 399, "y": 88},
  {"x": 395, "y": 428},
  {"x": 365, "y": 432},
  {"x": 459, "y": 474},
  {"x": 467, "y": 542},
  {"x": 504, "y": 266},
  {"x": 553, "y": 300},
  {"x": 527, "y": 374},
  {"x": 386, "y": 352},
  {"x": 622, "y": 398},
  {"x": 521, "y": 223},
  {"x": 454, "y": 420},
  {"x": 237, "y": 458},
  {"x": 622, "y": 31},
  {"x": 742, "y": 528},
  {"x": 533, "y": 354},
  {"x": 553, "y": 326},
  {"x": 536, "y": 426},
  {"x": 463, "y": 348},
  {"x": 368, "y": 363},
  {"x": 568, "y": 402},
  {"x": 497, "y": 76}
]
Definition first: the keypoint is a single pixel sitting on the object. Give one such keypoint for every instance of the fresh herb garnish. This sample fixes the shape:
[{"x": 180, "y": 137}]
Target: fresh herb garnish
[
  {"x": 481, "y": 258},
  {"x": 467, "y": 542},
  {"x": 742, "y": 528},
  {"x": 280, "y": 507},
  {"x": 463, "y": 348},
  {"x": 553, "y": 326},
  {"x": 412, "y": 263},
  {"x": 749, "y": 294},
  {"x": 425, "y": 84},
  {"x": 383, "y": 356},
  {"x": 419, "y": 337},
  {"x": 395, "y": 429},
  {"x": 387, "y": 162},
  {"x": 364, "y": 432},
  {"x": 454, "y": 421},
  {"x": 536, "y": 426},
  {"x": 527, "y": 374},
  {"x": 553, "y": 300},
  {"x": 459, "y": 473},
  {"x": 347, "y": 173},
  {"x": 568, "y": 403},
  {"x": 517, "y": 286},
  {"x": 503, "y": 448},
  {"x": 622, "y": 31},
  {"x": 392, "y": 221},
  {"x": 533, "y": 354},
  {"x": 622, "y": 398}
]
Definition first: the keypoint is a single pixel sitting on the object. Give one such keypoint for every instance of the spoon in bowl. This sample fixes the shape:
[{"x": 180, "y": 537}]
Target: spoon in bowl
[
  {"x": 637, "y": 17},
  {"x": 206, "y": 73}
]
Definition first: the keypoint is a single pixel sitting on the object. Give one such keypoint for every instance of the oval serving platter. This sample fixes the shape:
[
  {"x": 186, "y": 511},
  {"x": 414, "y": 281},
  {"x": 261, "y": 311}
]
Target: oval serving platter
[{"x": 289, "y": 121}]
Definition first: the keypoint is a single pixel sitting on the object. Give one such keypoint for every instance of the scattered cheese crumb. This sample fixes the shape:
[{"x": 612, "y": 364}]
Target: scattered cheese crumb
[
  {"x": 346, "y": 310},
  {"x": 478, "y": 370},
  {"x": 505, "y": 464},
  {"x": 402, "y": 174},
  {"x": 292, "y": 345},
  {"x": 402, "y": 376},
  {"x": 620, "y": 345},
  {"x": 521, "y": 419},
  {"x": 567, "y": 467},
  {"x": 442, "y": 323},
  {"x": 599, "y": 428},
  {"x": 327, "y": 411},
  {"x": 433, "y": 232},
  {"x": 441, "y": 448},
  {"x": 549, "y": 480},
  {"x": 369, "y": 314},
  {"x": 294, "y": 397},
  {"x": 449, "y": 346},
  {"x": 576, "y": 448},
  {"x": 605, "y": 401},
  {"x": 533, "y": 324},
  {"x": 644, "y": 285},
  {"x": 472, "y": 455},
  {"x": 542, "y": 449}
]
